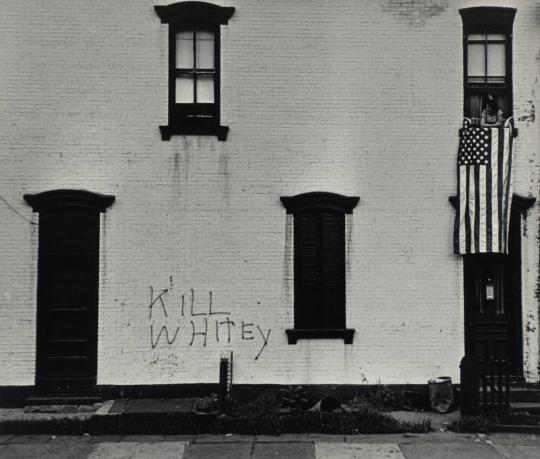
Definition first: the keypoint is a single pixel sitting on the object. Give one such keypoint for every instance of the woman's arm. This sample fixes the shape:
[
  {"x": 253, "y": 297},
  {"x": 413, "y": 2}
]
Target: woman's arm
[
  {"x": 500, "y": 119},
  {"x": 483, "y": 118}
]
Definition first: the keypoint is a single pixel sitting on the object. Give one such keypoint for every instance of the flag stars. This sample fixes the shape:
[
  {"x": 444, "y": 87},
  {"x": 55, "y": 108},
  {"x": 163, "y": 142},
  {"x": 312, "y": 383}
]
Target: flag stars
[{"x": 474, "y": 146}]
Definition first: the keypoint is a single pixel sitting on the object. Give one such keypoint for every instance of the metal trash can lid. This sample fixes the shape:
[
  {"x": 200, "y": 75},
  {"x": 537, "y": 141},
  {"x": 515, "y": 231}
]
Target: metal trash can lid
[{"x": 440, "y": 380}]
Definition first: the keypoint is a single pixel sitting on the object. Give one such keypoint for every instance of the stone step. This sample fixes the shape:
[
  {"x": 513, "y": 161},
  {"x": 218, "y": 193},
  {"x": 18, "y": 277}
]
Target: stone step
[
  {"x": 516, "y": 428},
  {"x": 524, "y": 394},
  {"x": 522, "y": 418},
  {"x": 525, "y": 407},
  {"x": 521, "y": 394},
  {"x": 61, "y": 400}
]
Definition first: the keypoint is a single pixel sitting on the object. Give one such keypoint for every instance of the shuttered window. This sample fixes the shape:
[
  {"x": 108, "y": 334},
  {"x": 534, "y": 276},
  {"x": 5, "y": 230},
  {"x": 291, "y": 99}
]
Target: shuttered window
[
  {"x": 319, "y": 270},
  {"x": 319, "y": 265}
]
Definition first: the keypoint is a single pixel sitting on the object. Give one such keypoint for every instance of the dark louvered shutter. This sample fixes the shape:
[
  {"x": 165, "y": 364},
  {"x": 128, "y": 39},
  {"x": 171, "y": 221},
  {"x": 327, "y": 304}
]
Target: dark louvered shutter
[
  {"x": 332, "y": 250},
  {"x": 319, "y": 269}
]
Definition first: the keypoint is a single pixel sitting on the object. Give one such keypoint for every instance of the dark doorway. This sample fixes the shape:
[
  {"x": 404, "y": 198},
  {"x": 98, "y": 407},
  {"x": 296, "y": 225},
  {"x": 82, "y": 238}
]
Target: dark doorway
[
  {"x": 493, "y": 303},
  {"x": 67, "y": 299},
  {"x": 68, "y": 286}
]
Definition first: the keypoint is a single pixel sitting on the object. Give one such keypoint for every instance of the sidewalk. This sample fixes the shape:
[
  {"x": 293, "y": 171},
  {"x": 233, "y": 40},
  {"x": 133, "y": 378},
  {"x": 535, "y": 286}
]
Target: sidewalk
[{"x": 438, "y": 445}]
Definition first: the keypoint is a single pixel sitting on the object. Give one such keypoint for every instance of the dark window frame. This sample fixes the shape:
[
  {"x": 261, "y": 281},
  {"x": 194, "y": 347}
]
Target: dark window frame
[
  {"x": 195, "y": 118},
  {"x": 316, "y": 205},
  {"x": 488, "y": 20}
]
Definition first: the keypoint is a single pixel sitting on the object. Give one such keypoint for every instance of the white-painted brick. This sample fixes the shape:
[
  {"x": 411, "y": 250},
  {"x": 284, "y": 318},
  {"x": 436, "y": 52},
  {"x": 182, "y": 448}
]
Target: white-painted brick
[{"x": 361, "y": 98}]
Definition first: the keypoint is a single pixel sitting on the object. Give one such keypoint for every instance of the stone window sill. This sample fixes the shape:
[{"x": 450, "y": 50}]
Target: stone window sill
[{"x": 294, "y": 334}]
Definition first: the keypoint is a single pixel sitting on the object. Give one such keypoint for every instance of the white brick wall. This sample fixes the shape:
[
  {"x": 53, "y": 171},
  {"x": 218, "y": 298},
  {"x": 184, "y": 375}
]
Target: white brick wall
[{"x": 354, "y": 97}]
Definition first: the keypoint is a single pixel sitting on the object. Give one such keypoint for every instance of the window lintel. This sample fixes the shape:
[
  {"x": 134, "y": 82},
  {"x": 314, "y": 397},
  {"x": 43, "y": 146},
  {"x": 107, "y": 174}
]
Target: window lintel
[
  {"x": 68, "y": 198},
  {"x": 320, "y": 200},
  {"x": 194, "y": 12},
  {"x": 487, "y": 19}
]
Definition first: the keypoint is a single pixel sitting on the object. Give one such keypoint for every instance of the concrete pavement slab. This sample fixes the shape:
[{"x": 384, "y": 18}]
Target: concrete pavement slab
[
  {"x": 407, "y": 437},
  {"x": 146, "y": 405},
  {"x": 118, "y": 406},
  {"x": 449, "y": 450},
  {"x": 233, "y": 438},
  {"x": 358, "y": 451},
  {"x": 329, "y": 438},
  {"x": 138, "y": 450},
  {"x": 142, "y": 438},
  {"x": 504, "y": 438},
  {"x": 218, "y": 450},
  {"x": 29, "y": 439},
  {"x": 45, "y": 451},
  {"x": 105, "y": 438},
  {"x": 227, "y": 438},
  {"x": 69, "y": 439},
  {"x": 285, "y": 438},
  {"x": 187, "y": 438},
  {"x": 518, "y": 451},
  {"x": 284, "y": 451}
]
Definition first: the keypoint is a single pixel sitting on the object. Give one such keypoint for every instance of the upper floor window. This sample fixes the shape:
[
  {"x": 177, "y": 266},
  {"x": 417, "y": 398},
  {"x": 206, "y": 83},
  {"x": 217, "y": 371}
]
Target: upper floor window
[
  {"x": 319, "y": 265},
  {"x": 194, "y": 67},
  {"x": 487, "y": 53}
]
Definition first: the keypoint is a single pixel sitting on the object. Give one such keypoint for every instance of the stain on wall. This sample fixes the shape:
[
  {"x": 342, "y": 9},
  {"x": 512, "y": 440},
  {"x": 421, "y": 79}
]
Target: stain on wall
[
  {"x": 414, "y": 12},
  {"x": 529, "y": 329},
  {"x": 528, "y": 112}
]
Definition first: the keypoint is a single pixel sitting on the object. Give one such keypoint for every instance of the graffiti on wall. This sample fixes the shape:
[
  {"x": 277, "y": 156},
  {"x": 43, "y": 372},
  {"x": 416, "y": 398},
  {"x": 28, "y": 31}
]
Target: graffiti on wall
[{"x": 192, "y": 321}]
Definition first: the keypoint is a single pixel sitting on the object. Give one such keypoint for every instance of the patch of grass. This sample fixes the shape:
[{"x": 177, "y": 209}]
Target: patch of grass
[
  {"x": 261, "y": 407},
  {"x": 471, "y": 424},
  {"x": 294, "y": 398},
  {"x": 380, "y": 397},
  {"x": 423, "y": 426}
]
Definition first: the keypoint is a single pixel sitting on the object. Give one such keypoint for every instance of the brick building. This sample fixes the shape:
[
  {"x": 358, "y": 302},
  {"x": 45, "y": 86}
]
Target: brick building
[{"x": 267, "y": 178}]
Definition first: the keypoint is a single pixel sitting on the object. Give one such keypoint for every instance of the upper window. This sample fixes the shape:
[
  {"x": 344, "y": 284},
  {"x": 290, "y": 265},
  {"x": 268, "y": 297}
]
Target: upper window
[
  {"x": 194, "y": 68},
  {"x": 319, "y": 265},
  {"x": 487, "y": 56}
]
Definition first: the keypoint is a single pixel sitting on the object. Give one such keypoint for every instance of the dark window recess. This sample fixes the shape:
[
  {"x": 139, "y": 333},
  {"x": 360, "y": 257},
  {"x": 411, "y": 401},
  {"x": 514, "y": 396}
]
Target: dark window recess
[
  {"x": 68, "y": 278},
  {"x": 194, "y": 68},
  {"x": 319, "y": 265},
  {"x": 487, "y": 60}
]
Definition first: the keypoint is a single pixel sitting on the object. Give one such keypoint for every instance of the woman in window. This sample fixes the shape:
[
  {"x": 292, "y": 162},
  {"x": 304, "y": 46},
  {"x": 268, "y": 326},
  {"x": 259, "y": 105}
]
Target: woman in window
[{"x": 492, "y": 115}]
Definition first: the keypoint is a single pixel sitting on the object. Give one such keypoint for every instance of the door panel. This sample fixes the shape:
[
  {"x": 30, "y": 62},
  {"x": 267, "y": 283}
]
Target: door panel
[
  {"x": 493, "y": 303},
  {"x": 67, "y": 299}
]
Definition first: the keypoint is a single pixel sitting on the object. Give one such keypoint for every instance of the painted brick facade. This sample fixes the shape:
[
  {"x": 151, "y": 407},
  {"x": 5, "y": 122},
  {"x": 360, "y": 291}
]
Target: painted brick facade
[{"x": 352, "y": 97}]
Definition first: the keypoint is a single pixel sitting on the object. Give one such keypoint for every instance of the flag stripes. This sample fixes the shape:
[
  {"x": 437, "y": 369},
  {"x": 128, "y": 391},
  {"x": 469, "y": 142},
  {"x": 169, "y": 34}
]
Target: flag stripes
[{"x": 484, "y": 190}]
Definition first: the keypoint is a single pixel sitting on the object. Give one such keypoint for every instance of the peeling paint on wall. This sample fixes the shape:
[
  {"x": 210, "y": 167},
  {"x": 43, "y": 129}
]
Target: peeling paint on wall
[
  {"x": 415, "y": 12},
  {"x": 528, "y": 112},
  {"x": 530, "y": 329},
  {"x": 537, "y": 289}
]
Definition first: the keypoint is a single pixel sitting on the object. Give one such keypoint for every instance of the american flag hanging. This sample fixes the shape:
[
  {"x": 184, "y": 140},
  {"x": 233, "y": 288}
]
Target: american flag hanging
[{"x": 484, "y": 190}]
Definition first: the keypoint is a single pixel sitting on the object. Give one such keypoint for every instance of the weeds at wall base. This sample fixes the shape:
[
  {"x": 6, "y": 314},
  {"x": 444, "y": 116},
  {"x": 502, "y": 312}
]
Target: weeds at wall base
[{"x": 361, "y": 422}]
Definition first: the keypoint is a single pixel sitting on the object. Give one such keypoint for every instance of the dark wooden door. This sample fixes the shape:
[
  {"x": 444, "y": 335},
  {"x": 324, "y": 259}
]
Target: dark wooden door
[
  {"x": 493, "y": 303},
  {"x": 67, "y": 300}
]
